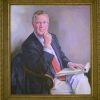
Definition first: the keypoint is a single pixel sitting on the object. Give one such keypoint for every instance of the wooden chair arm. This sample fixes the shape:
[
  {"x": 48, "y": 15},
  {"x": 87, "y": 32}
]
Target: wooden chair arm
[{"x": 46, "y": 77}]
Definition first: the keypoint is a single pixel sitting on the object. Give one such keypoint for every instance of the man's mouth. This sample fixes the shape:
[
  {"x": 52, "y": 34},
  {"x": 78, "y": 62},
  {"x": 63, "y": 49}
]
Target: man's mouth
[{"x": 41, "y": 30}]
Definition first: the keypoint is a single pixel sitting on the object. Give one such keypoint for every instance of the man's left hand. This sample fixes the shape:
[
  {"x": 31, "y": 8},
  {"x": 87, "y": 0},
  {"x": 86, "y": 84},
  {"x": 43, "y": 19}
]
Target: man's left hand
[{"x": 74, "y": 66}]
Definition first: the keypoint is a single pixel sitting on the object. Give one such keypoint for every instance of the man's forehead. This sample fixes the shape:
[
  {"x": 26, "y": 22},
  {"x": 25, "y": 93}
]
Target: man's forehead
[
  {"x": 46, "y": 15},
  {"x": 42, "y": 17}
]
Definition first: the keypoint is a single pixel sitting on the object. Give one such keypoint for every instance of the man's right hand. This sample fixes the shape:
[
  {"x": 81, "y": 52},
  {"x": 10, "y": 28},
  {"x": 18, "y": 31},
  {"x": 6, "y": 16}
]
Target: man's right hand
[{"x": 47, "y": 39}]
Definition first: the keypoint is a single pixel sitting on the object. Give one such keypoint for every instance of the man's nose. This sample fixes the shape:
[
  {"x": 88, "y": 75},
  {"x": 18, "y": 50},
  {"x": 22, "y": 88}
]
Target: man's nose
[{"x": 41, "y": 23}]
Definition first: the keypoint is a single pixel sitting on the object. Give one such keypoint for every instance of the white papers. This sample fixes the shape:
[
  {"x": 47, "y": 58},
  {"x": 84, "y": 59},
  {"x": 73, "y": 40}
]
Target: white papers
[{"x": 68, "y": 71}]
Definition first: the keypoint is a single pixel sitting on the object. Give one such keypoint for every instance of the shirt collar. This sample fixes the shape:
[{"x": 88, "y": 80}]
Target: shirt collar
[{"x": 39, "y": 38}]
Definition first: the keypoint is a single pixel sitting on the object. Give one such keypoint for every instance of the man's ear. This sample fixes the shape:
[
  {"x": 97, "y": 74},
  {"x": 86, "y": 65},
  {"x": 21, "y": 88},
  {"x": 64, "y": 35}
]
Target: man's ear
[{"x": 33, "y": 24}]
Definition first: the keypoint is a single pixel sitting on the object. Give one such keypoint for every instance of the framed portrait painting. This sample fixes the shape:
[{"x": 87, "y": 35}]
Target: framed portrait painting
[{"x": 76, "y": 25}]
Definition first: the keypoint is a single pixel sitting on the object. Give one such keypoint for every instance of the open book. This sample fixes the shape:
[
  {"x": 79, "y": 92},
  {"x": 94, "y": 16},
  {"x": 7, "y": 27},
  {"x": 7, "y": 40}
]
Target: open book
[{"x": 68, "y": 71}]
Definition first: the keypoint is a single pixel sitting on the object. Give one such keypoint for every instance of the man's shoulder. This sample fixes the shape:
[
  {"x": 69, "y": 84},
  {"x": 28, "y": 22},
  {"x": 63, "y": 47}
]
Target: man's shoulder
[
  {"x": 53, "y": 35},
  {"x": 29, "y": 40},
  {"x": 30, "y": 37}
]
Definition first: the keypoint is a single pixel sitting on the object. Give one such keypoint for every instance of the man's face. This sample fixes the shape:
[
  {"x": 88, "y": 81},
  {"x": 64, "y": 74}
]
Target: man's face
[{"x": 40, "y": 24}]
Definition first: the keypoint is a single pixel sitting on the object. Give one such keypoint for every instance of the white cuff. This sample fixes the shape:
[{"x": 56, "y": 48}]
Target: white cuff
[
  {"x": 48, "y": 50},
  {"x": 69, "y": 63}
]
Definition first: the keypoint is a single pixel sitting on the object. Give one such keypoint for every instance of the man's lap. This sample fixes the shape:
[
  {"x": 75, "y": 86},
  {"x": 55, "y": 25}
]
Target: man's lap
[
  {"x": 61, "y": 87},
  {"x": 73, "y": 83}
]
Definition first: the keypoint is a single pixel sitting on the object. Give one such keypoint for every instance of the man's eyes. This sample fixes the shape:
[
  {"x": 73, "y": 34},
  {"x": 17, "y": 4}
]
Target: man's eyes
[{"x": 41, "y": 22}]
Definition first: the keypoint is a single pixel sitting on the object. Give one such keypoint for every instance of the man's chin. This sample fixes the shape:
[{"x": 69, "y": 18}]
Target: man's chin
[{"x": 40, "y": 34}]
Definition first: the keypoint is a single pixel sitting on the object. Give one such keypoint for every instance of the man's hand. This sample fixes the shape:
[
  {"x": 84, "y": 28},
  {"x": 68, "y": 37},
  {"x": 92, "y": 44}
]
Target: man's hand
[
  {"x": 74, "y": 66},
  {"x": 47, "y": 39}
]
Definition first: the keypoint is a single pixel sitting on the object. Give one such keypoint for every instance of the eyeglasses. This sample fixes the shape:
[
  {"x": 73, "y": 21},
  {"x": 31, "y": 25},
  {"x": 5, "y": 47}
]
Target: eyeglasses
[{"x": 44, "y": 22}]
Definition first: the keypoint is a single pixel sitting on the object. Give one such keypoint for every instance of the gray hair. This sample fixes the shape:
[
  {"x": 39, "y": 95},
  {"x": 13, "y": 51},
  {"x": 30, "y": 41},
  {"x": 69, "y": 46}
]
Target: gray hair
[{"x": 39, "y": 12}]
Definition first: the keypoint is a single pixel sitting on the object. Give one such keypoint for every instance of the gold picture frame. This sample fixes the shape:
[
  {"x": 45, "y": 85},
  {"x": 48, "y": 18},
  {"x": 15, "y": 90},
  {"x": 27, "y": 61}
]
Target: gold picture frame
[{"x": 5, "y": 71}]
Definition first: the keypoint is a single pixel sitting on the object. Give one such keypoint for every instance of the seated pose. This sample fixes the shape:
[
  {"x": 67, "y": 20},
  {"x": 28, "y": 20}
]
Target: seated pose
[{"x": 42, "y": 55}]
